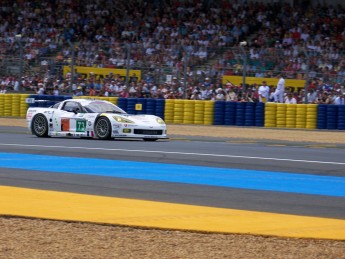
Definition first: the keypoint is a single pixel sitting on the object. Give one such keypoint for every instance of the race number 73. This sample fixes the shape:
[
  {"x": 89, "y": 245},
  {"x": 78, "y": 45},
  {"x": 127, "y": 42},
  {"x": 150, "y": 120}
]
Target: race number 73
[{"x": 81, "y": 125}]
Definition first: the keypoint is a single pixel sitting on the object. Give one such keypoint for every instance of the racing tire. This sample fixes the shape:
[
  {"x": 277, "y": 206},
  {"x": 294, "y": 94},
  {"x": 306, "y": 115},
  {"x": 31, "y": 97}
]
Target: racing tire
[
  {"x": 150, "y": 139},
  {"x": 103, "y": 128},
  {"x": 39, "y": 126}
]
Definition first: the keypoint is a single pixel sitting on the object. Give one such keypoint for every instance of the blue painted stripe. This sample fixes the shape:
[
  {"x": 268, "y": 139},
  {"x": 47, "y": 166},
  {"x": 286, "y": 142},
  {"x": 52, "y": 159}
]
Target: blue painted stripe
[{"x": 224, "y": 177}]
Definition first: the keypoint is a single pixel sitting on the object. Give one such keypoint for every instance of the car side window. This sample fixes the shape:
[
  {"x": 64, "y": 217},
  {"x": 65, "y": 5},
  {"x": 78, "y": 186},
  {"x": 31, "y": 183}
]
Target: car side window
[{"x": 72, "y": 107}]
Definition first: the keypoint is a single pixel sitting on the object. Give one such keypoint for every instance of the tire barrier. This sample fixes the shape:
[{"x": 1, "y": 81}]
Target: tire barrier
[
  {"x": 249, "y": 114},
  {"x": 341, "y": 117},
  {"x": 230, "y": 113},
  {"x": 169, "y": 110},
  {"x": 240, "y": 113},
  {"x": 300, "y": 116},
  {"x": 332, "y": 117},
  {"x": 281, "y": 115},
  {"x": 219, "y": 112},
  {"x": 178, "y": 111},
  {"x": 270, "y": 115},
  {"x": 322, "y": 116},
  {"x": 141, "y": 106},
  {"x": 199, "y": 112},
  {"x": 291, "y": 115},
  {"x": 15, "y": 112},
  {"x": 188, "y": 111},
  {"x": 131, "y": 103},
  {"x": 311, "y": 120},
  {"x": 122, "y": 103},
  {"x": 151, "y": 106},
  {"x": 208, "y": 112},
  {"x": 8, "y": 105},
  {"x": 159, "y": 107},
  {"x": 260, "y": 115},
  {"x": 23, "y": 105},
  {"x": 2, "y": 105}
]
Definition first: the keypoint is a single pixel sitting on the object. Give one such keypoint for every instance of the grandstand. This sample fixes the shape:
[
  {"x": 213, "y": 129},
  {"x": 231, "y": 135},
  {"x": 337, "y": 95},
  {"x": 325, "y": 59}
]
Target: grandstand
[{"x": 48, "y": 41}]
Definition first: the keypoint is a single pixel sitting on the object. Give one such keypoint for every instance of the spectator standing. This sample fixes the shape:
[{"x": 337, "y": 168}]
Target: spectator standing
[
  {"x": 264, "y": 91},
  {"x": 279, "y": 92}
]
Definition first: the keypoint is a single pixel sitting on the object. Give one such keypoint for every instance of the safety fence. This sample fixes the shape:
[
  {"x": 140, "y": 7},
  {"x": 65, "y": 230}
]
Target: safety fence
[{"x": 177, "y": 111}]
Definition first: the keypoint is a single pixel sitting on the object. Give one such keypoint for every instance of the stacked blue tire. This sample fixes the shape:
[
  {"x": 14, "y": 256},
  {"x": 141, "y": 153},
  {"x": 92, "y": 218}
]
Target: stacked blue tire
[
  {"x": 151, "y": 106},
  {"x": 219, "y": 110},
  {"x": 322, "y": 116},
  {"x": 143, "y": 102},
  {"x": 332, "y": 117},
  {"x": 131, "y": 102},
  {"x": 160, "y": 107},
  {"x": 341, "y": 117},
  {"x": 122, "y": 103},
  {"x": 249, "y": 115},
  {"x": 260, "y": 114},
  {"x": 230, "y": 113},
  {"x": 240, "y": 113}
]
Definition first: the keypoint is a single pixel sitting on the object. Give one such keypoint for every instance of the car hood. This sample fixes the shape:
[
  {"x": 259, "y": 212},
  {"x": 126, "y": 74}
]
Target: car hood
[{"x": 140, "y": 118}]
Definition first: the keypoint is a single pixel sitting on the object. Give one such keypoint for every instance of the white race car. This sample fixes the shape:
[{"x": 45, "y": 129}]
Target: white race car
[{"x": 93, "y": 119}]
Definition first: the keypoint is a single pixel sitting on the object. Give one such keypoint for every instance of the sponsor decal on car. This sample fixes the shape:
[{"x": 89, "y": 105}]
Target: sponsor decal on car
[
  {"x": 80, "y": 125},
  {"x": 65, "y": 125}
]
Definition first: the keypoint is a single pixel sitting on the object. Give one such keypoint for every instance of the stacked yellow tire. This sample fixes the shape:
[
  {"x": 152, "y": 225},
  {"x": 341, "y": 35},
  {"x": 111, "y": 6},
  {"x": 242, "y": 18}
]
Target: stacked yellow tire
[
  {"x": 291, "y": 115},
  {"x": 199, "y": 112},
  {"x": 178, "y": 111},
  {"x": 169, "y": 110},
  {"x": 113, "y": 100},
  {"x": 301, "y": 116},
  {"x": 2, "y": 105},
  {"x": 23, "y": 105},
  {"x": 188, "y": 112},
  {"x": 281, "y": 115},
  {"x": 208, "y": 112},
  {"x": 84, "y": 97},
  {"x": 270, "y": 115},
  {"x": 104, "y": 98},
  {"x": 15, "y": 110},
  {"x": 311, "y": 120},
  {"x": 8, "y": 105}
]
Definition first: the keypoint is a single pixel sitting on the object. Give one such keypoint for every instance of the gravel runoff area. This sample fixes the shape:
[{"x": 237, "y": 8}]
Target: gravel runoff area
[{"x": 39, "y": 238}]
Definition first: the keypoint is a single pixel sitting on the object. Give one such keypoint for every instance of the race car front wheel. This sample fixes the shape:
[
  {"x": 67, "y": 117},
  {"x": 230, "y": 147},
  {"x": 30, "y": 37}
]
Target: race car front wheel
[
  {"x": 39, "y": 126},
  {"x": 103, "y": 128}
]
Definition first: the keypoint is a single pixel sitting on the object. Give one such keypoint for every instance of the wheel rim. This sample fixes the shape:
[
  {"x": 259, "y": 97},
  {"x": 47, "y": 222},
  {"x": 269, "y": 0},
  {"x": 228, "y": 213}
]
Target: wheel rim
[
  {"x": 102, "y": 128},
  {"x": 40, "y": 125}
]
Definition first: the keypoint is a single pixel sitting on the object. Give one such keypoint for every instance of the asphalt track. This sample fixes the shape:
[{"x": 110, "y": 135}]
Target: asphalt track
[{"x": 202, "y": 184}]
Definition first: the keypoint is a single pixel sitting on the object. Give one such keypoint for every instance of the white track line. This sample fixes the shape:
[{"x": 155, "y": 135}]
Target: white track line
[{"x": 178, "y": 153}]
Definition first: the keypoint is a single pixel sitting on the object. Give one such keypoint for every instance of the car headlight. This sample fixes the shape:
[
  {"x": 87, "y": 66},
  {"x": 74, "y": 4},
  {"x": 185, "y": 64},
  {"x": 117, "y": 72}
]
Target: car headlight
[
  {"x": 160, "y": 121},
  {"x": 122, "y": 120}
]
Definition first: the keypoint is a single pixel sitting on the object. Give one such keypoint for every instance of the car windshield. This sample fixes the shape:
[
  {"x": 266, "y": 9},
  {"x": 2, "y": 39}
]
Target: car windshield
[{"x": 98, "y": 107}]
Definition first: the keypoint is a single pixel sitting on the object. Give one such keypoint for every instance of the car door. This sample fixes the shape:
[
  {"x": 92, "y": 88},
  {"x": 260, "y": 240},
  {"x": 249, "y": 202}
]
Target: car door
[{"x": 71, "y": 119}]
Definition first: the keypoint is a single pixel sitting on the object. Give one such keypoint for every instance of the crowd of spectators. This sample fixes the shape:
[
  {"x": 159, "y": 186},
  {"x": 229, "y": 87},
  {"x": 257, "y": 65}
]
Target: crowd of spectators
[{"x": 156, "y": 34}]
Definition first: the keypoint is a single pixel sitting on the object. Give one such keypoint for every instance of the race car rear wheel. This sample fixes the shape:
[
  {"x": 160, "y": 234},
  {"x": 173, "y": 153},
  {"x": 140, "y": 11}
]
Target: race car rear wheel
[
  {"x": 39, "y": 126},
  {"x": 149, "y": 139},
  {"x": 103, "y": 128}
]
